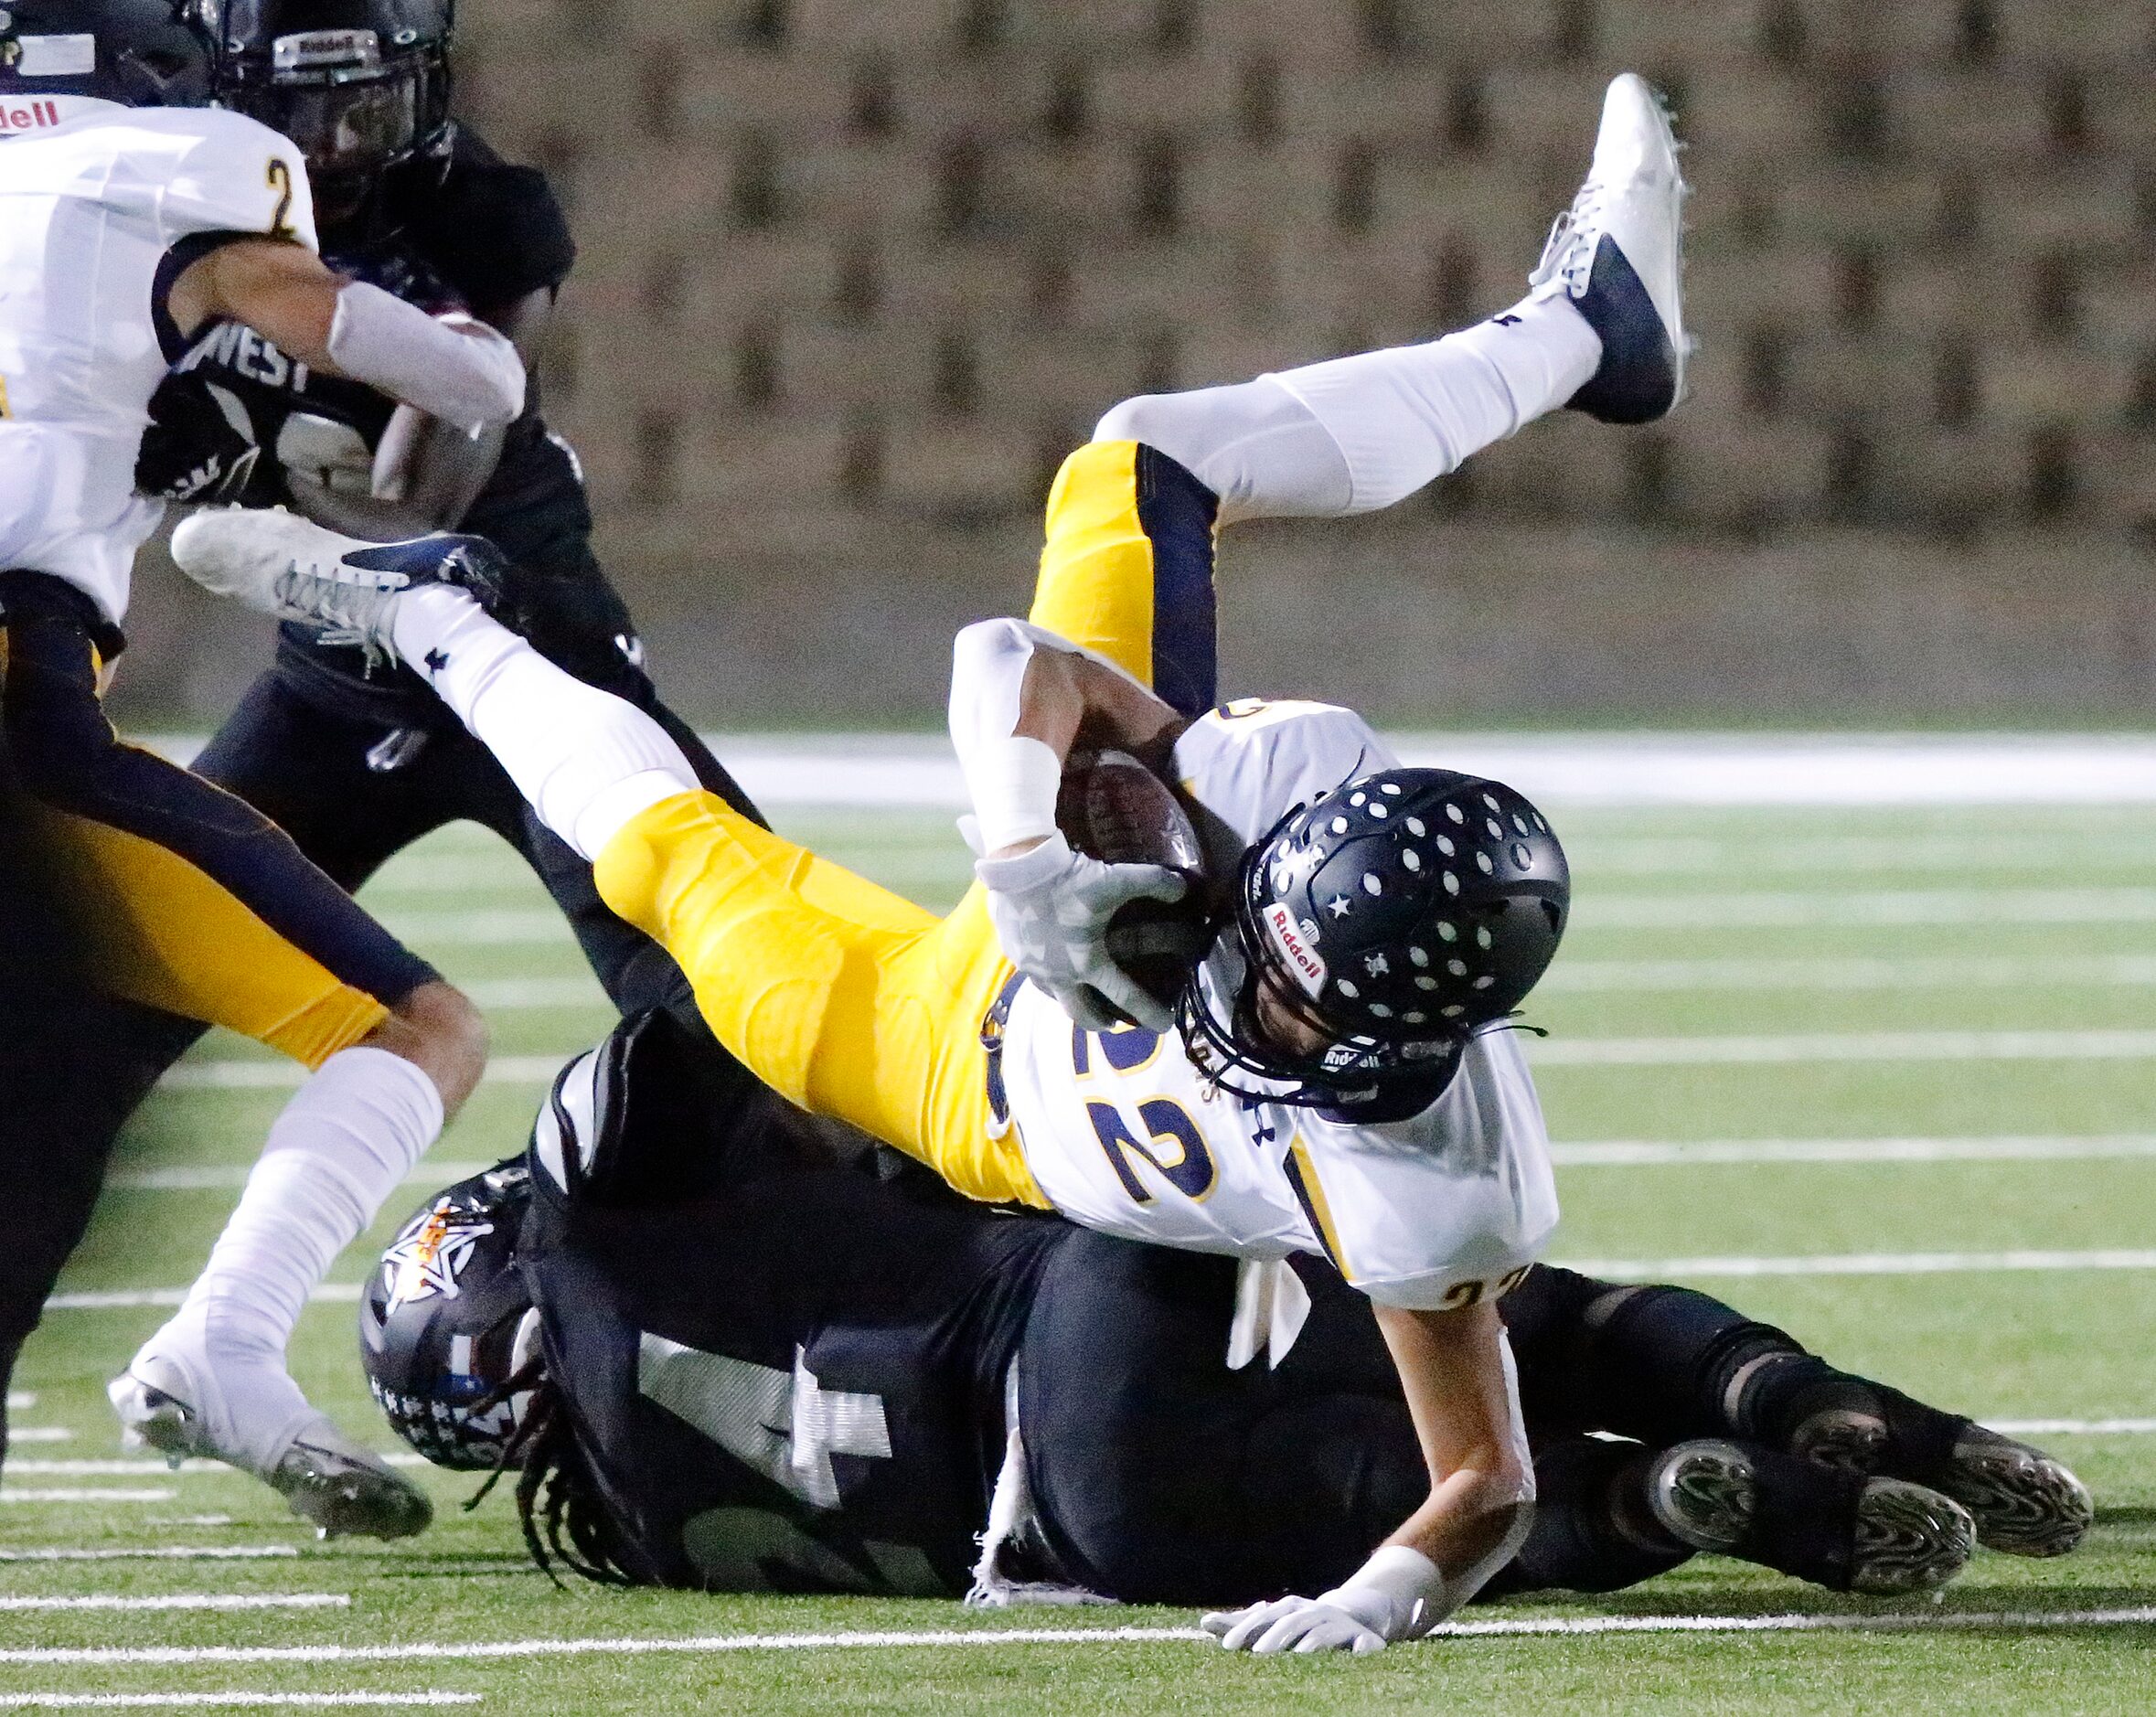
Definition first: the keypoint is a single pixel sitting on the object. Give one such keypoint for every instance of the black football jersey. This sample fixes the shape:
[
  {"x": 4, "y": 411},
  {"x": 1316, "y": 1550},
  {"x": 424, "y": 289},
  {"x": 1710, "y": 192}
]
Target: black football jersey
[
  {"x": 783, "y": 1374},
  {"x": 476, "y": 233}
]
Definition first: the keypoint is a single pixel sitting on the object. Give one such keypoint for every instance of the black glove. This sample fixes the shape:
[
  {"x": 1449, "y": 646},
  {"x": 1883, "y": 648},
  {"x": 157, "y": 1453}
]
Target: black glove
[{"x": 200, "y": 444}]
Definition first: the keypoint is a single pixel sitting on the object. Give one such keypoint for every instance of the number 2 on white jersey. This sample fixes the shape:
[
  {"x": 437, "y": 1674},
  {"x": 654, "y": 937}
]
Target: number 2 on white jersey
[{"x": 1175, "y": 1147}]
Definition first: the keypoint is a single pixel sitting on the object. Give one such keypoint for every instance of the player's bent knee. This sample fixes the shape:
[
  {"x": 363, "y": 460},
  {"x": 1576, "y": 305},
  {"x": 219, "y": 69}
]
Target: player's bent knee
[
  {"x": 437, "y": 1029},
  {"x": 1160, "y": 420}
]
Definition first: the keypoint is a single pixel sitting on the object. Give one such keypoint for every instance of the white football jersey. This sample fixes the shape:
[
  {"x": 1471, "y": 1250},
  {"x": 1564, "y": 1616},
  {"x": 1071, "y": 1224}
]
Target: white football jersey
[
  {"x": 1125, "y": 1135},
  {"x": 92, "y": 197}
]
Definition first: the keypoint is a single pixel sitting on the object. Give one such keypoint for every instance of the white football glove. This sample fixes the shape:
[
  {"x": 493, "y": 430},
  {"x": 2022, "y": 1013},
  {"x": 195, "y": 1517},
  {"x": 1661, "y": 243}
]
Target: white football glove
[
  {"x": 1051, "y": 907},
  {"x": 1395, "y": 1596}
]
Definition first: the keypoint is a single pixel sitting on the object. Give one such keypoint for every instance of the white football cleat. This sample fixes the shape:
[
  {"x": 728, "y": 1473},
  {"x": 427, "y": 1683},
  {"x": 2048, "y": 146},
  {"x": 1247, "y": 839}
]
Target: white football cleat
[
  {"x": 254, "y": 1417},
  {"x": 1618, "y": 255},
  {"x": 281, "y": 564}
]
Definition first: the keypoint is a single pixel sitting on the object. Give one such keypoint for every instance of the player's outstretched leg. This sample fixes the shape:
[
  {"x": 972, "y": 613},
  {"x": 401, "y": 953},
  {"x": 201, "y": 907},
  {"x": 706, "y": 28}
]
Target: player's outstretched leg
[
  {"x": 1664, "y": 1364},
  {"x": 584, "y": 759},
  {"x": 1601, "y": 331}
]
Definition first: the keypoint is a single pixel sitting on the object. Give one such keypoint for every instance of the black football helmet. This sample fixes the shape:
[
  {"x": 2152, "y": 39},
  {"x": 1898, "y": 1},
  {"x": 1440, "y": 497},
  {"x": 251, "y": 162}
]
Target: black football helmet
[
  {"x": 446, "y": 1322},
  {"x": 1393, "y": 918},
  {"x": 139, "y": 53},
  {"x": 361, "y": 86}
]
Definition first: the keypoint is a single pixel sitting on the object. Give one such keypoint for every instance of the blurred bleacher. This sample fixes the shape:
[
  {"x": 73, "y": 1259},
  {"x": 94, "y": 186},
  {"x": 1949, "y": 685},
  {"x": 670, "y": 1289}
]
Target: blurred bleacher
[{"x": 856, "y": 272}]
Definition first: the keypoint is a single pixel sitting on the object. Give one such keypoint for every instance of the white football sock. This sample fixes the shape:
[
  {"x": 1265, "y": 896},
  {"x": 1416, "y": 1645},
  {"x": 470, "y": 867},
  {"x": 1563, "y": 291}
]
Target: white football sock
[
  {"x": 586, "y": 761},
  {"x": 341, "y": 1146},
  {"x": 1354, "y": 434}
]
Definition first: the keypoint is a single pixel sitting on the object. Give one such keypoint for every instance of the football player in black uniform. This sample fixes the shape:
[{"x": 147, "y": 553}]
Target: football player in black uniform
[
  {"x": 721, "y": 1357},
  {"x": 357, "y": 758}
]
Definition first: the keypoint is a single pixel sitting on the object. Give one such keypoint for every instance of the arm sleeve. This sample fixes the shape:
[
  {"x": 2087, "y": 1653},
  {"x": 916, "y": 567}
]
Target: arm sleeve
[
  {"x": 988, "y": 675},
  {"x": 1012, "y": 782}
]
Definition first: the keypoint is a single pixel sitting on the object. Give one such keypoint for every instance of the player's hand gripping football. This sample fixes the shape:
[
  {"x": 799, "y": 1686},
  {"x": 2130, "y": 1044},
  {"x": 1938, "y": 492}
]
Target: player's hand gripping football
[{"x": 1051, "y": 907}]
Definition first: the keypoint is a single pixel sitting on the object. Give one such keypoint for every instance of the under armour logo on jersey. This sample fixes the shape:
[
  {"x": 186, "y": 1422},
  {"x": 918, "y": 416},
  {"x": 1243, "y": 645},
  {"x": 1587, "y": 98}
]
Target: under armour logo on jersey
[{"x": 437, "y": 659}]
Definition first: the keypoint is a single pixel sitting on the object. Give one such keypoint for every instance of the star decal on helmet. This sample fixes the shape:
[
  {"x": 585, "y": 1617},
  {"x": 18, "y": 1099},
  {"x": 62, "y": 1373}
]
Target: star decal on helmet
[{"x": 424, "y": 1260}]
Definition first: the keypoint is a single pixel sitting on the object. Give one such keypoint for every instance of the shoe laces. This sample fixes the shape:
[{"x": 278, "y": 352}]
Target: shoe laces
[
  {"x": 1568, "y": 254},
  {"x": 346, "y": 610}
]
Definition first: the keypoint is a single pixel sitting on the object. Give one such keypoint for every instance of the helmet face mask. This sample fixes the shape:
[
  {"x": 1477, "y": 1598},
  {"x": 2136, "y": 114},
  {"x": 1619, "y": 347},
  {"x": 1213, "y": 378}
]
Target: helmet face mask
[
  {"x": 1378, "y": 929},
  {"x": 446, "y": 1325},
  {"x": 362, "y": 86}
]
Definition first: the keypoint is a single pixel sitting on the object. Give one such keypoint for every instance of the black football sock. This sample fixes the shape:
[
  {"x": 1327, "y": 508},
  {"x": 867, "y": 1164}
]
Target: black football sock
[
  {"x": 1804, "y": 1520},
  {"x": 1795, "y": 1404}
]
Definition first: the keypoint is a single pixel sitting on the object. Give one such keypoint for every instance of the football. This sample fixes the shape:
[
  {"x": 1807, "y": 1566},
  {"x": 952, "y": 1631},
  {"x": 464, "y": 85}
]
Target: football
[{"x": 1113, "y": 808}]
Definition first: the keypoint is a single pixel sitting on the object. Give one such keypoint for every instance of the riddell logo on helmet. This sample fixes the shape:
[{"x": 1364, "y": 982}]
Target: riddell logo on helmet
[
  {"x": 31, "y": 116},
  {"x": 1294, "y": 943}
]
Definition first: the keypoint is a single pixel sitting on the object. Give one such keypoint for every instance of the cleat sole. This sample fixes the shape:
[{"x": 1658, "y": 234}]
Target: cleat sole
[
  {"x": 1704, "y": 1494},
  {"x": 1908, "y": 1540},
  {"x": 2023, "y": 1502}
]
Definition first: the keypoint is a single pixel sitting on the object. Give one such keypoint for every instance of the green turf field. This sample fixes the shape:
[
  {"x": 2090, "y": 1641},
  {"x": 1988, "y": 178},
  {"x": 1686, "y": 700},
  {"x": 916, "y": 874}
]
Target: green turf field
[{"x": 1913, "y": 1058}]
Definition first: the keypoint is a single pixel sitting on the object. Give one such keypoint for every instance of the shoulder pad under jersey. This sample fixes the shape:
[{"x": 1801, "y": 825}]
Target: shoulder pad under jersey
[{"x": 229, "y": 174}]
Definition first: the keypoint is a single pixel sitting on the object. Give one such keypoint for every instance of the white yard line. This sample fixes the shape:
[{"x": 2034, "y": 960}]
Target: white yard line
[
  {"x": 124, "y": 1466},
  {"x": 135, "y": 1299},
  {"x": 10, "y": 1493},
  {"x": 510, "y": 994},
  {"x": 188, "y": 1601},
  {"x": 180, "y": 1701},
  {"x": 1862, "y": 1264},
  {"x": 2073, "y": 1427},
  {"x": 17, "y": 1434},
  {"x": 21, "y": 1399},
  {"x": 1601, "y": 978},
  {"x": 2104, "y": 854},
  {"x": 511, "y": 928},
  {"x": 2099, "y": 1044},
  {"x": 212, "y": 1074},
  {"x": 155, "y": 1553},
  {"x": 498, "y": 1650},
  {"x": 230, "y": 1177},
  {"x": 865, "y": 770},
  {"x": 1834, "y": 909},
  {"x": 2091, "y": 1044},
  {"x": 115, "y": 1467},
  {"x": 1645, "y": 1153}
]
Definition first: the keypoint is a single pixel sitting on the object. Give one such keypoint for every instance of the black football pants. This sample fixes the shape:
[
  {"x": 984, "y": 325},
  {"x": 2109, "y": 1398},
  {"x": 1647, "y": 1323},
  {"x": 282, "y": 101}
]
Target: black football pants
[{"x": 80, "y": 1064}]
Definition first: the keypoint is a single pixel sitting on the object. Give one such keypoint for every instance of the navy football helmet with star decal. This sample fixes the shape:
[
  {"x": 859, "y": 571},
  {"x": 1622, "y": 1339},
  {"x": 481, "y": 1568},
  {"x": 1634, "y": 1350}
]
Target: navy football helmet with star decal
[
  {"x": 446, "y": 1321},
  {"x": 1389, "y": 920}
]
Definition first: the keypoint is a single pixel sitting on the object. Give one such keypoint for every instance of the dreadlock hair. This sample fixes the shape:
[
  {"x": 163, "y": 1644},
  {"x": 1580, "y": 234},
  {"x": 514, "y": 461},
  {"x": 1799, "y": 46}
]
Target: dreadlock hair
[{"x": 558, "y": 1503}]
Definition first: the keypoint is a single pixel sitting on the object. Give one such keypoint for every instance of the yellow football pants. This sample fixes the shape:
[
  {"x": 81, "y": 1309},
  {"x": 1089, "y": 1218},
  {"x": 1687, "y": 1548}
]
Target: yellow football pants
[{"x": 847, "y": 999}]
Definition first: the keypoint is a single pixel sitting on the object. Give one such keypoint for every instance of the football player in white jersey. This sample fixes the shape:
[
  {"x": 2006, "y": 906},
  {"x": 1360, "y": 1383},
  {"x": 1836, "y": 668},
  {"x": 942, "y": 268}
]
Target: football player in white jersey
[
  {"x": 131, "y": 217},
  {"x": 1339, "y": 1078}
]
